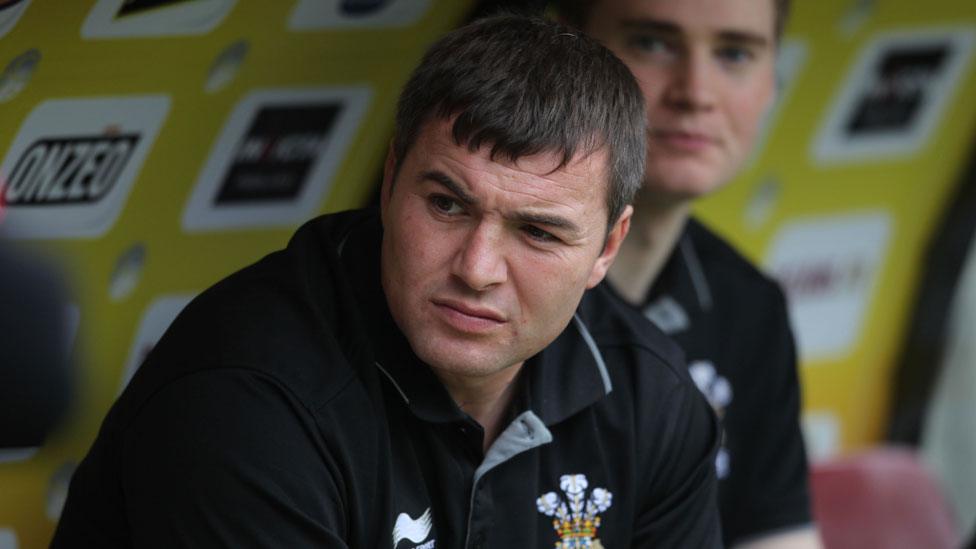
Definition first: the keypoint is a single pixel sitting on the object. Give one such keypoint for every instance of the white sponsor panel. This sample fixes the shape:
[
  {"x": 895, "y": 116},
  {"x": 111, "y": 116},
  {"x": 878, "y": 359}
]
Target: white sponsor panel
[
  {"x": 321, "y": 14},
  {"x": 829, "y": 267},
  {"x": 274, "y": 161},
  {"x": 155, "y": 321},
  {"x": 821, "y": 434},
  {"x": 135, "y": 18},
  {"x": 894, "y": 95},
  {"x": 10, "y": 12},
  {"x": 8, "y": 539},
  {"x": 73, "y": 163}
]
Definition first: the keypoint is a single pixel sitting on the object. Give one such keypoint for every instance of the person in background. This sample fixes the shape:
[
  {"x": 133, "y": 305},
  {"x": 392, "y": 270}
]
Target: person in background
[
  {"x": 35, "y": 377},
  {"x": 706, "y": 69},
  {"x": 429, "y": 374}
]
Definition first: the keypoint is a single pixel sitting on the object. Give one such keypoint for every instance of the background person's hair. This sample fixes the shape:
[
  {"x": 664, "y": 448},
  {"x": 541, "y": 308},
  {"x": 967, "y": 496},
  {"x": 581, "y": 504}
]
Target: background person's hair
[
  {"x": 577, "y": 12},
  {"x": 529, "y": 85}
]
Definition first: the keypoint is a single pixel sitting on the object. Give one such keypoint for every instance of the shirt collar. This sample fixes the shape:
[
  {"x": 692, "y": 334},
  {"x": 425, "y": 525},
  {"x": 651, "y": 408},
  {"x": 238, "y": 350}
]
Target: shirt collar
[
  {"x": 568, "y": 375},
  {"x": 683, "y": 278}
]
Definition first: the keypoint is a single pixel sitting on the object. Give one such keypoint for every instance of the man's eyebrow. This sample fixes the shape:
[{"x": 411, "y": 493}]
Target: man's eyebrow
[
  {"x": 453, "y": 186},
  {"x": 652, "y": 25},
  {"x": 671, "y": 30}
]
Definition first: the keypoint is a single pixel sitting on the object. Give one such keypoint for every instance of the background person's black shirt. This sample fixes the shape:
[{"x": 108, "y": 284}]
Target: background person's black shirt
[{"x": 732, "y": 323}]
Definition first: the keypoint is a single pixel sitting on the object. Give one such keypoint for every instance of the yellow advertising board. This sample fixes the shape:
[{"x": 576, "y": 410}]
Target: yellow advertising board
[
  {"x": 860, "y": 155},
  {"x": 155, "y": 146}
]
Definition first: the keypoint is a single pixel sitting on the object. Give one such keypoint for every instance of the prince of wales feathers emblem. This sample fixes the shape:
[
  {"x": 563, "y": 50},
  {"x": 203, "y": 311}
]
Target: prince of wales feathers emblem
[{"x": 575, "y": 519}]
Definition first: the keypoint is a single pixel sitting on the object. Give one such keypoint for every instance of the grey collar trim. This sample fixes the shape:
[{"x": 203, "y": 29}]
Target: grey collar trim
[
  {"x": 524, "y": 433},
  {"x": 697, "y": 273},
  {"x": 600, "y": 364}
]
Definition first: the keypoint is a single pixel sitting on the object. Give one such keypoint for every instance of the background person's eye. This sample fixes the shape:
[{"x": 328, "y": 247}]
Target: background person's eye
[
  {"x": 650, "y": 44},
  {"x": 734, "y": 55}
]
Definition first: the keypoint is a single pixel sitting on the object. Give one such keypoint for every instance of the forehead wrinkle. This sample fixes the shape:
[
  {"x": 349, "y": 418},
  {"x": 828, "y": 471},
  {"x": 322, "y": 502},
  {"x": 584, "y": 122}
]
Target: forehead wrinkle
[{"x": 514, "y": 181}]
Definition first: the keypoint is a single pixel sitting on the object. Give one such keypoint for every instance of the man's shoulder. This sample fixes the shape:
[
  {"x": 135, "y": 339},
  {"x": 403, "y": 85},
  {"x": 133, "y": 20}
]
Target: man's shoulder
[
  {"x": 286, "y": 317},
  {"x": 726, "y": 267},
  {"x": 619, "y": 328}
]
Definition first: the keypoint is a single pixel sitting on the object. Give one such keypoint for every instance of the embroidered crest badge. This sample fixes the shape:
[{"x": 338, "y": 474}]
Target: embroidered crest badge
[{"x": 576, "y": 519}]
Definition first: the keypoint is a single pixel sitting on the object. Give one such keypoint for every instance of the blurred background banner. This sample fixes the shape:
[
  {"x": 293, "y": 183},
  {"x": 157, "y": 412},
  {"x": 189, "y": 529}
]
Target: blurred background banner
[{"x": 155, "y": 146}]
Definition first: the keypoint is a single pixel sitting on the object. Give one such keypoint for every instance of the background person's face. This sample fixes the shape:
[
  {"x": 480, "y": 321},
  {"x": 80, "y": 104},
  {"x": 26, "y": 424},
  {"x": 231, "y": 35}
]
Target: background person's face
[
  {"x": 706, "y": 70},
  {"x": 484, "y": 262}
]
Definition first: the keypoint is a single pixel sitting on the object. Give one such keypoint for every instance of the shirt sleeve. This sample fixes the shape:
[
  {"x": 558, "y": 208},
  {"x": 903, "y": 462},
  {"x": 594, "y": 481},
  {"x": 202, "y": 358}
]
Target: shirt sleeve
[
  {"x": 227, "y": 458},
  {"x": 680, "y": 510},
  {"x": 770, "y": 465}
]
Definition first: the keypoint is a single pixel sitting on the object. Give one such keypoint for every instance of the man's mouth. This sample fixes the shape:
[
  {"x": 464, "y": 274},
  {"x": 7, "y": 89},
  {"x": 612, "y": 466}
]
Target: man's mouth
[
  {"x": 682, "y": 140},
  {"x": 465, "y": 317}
]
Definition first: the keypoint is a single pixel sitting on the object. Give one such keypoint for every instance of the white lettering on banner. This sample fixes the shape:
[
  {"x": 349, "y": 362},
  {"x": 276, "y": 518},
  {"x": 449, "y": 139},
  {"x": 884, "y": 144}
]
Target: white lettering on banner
[
  {"x": 78, "y": 157},
  {"x": 56, "y": 172}
]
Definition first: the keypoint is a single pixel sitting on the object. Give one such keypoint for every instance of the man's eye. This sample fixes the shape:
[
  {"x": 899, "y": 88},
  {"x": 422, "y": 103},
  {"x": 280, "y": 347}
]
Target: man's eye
[
  {"x": 649, "y": 44},
  {"x": 734, "y": 55},
  {"x": 535, "y": 233},
  {"x": 445, "y": 204}
]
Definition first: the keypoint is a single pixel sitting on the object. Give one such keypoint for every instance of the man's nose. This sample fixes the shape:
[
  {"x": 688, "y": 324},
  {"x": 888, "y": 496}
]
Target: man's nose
[
  {"x": 480, "y": 260},
  {"x": 692, "y": 83}
]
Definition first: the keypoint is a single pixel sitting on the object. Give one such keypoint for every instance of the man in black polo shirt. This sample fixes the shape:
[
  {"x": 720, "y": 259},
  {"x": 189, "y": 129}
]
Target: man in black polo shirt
[
  {"x": 429, "y": 375},
  {"x": 706, "y": 70}
]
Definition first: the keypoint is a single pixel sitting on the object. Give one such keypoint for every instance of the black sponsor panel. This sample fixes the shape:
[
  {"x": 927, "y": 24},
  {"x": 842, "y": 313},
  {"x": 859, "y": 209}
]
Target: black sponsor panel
[
  {"x": 69, "y": 170},
  {"x": 272, "y": 161},
  {"x": 132, "y": 7},
  {"x": 362, "y": 7},
  {"x": 898, "y": 91}
]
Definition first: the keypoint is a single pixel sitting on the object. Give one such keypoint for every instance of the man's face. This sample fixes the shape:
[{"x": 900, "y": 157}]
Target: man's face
[
  {"x": 484, "y": 262},
  {"x": 706, "y": 70}
]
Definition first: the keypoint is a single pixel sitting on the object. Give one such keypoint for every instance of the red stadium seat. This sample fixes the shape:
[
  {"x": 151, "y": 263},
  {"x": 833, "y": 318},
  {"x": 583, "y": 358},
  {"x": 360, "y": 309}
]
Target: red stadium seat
[{"x": 881, "y": 499}]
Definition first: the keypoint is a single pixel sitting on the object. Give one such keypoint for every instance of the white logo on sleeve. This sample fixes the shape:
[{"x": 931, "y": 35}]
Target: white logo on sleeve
[{"x": 415, "y": 530}]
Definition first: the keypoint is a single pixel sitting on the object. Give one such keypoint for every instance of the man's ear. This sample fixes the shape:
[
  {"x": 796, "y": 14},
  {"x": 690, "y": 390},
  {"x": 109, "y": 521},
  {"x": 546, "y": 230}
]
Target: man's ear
[
  {"x": 389, "y": 169},
  {"x": 614, "y": 239}
]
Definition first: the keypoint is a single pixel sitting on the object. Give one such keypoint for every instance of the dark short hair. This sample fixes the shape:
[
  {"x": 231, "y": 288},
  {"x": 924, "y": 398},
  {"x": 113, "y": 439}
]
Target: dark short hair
[
  {"x": 529, "y": 85},
  {"x": 577, "y": 12}
]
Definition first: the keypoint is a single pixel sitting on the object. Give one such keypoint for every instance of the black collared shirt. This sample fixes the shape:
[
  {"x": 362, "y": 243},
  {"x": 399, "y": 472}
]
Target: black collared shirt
[
  {"x": 284, "y": 409},
  {"x": 732, "y": 323}
]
